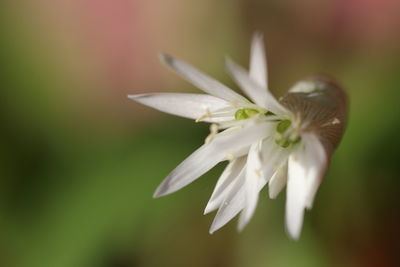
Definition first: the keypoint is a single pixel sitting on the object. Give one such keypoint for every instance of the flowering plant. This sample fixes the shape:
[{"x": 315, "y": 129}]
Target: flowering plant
[{"x": 266, "y": 141}]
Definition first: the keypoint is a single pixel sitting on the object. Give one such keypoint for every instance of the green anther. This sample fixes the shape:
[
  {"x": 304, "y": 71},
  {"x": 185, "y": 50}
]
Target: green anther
[
  {"x": 269, "y": 113},
  {"x": 283, "y": 125},
  {"x": 285, "y": 143},
  {"x": 240, "y": 114},
  {"x": 245, "y": 113},
  {"x": 283, "y": 137}
]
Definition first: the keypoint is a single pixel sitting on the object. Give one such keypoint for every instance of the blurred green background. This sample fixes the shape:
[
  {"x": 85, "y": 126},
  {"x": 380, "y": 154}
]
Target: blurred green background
[{"x": 79, "y": 161}]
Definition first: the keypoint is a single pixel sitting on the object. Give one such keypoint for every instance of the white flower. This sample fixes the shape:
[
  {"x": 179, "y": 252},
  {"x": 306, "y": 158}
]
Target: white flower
[{"x": 285, "y": 142}]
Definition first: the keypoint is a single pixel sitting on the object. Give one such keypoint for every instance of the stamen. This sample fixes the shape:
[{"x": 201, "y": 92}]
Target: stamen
[
  {"x": 213, "y": 133},
  {"x": 205, "y": 116},
  {"x": 229, "y": 156},
  {"x": 219, "y": 113}
]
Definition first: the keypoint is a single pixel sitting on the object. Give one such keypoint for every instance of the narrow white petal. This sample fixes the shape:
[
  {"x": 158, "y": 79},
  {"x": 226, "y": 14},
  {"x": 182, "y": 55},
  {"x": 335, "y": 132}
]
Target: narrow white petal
[
  {"x": 191, "y": 106},
  {"x": 316, "y": 157},
  {"x": 264, "y": 162},
  {"x": 258, "y": 64},
  {"x": 224, "y": 183},
  {"x": 233, "y": 140},
  {"x": 208, "y": 155},
  {"x": 198, "y": 163},
  {"x": 237, "y": 195},
  {"x": 254, "y": 178},
  {"x": 273, "y": 156},
  {"x": 278, "y": 181},
  {"x": 306, "y": 167},
  {"x": 232, "y": 204},
  {"x": 295, "y": 194},
  {"x": 202, "y": 81},
  {"x": 255, "y": 91}
]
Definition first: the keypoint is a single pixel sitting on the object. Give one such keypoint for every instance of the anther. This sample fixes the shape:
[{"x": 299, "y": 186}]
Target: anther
[{"x": 204, "y": 116}]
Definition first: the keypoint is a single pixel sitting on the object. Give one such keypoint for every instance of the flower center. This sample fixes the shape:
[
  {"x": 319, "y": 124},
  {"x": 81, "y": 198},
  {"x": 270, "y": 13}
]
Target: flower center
[{"x": 286, "y": 134}]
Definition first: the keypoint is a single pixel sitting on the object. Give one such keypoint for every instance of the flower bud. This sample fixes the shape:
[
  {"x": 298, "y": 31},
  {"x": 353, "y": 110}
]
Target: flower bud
[{"x": 320, "y": 104}]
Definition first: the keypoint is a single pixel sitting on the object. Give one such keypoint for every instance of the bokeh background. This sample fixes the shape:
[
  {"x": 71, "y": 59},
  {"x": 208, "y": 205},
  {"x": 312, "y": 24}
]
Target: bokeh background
[{"x": 79, "y": 161}]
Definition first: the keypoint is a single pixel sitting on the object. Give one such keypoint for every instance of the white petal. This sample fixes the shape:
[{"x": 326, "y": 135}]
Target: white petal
[
  {"x": 233, "y": 140},
  {"x": 208, "y": 155},
  {"x": 252, "y": 184},
  {"x": 198, "y": 163},
  {"x": 191, "y": 106},
  {"x": 258, "y": 64},
  {"x": 262, "y": 164},
  {"x": 306, "y": 167},
  {"x": 256, "y": 94},
  {"x": 202, "y": 81},
  {"x": 295, "y": 193},
  {"x": 224, "y": 183},
  {"x": 255, "y": 91},
  {"x": 232, "y": 204},
  {"x": 273, "y": 156},
  {"x": 278, "y": 181},
  {"x": 316, "y": 164}
]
